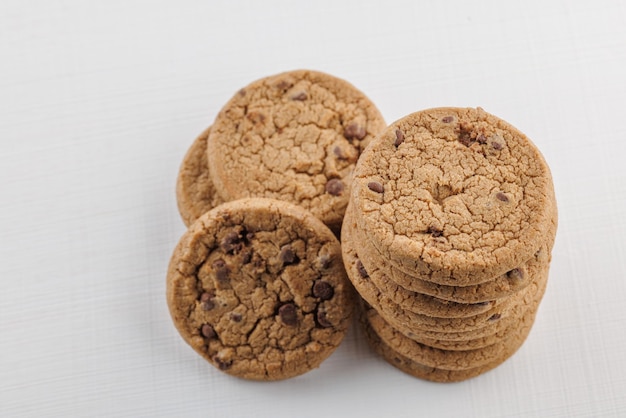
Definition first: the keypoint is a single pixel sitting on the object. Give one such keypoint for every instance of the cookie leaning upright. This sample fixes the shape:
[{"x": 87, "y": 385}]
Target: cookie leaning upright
[
  {"x": 258, "y": 288},
  {"x": 295, "y": 137},
  {"x": 454, "y": 196}
]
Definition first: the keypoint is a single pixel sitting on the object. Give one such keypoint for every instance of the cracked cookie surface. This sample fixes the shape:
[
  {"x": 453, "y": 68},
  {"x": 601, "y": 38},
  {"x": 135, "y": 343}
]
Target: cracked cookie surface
[
  {"x": 257, "y": 287},
  {"x": 455, "y": 195},
  {"x": 295, "y": 137},
  {"x": 195, "y": 193}
]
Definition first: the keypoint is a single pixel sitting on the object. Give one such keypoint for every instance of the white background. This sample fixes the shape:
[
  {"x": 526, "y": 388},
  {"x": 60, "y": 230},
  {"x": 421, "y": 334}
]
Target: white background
[{"x": 100, "y": 100}]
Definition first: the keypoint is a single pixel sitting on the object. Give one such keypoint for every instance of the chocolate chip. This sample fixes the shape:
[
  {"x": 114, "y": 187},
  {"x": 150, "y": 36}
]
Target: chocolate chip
[
  {"x": 221, "y": 270},
  {"x": 481, "y": 139},
  {"x": 434, "y": 232},
  {"x": 325, "y": 261},
  {"x": 242, "y": 92},
  {"x": 256, "y": 117},
  {"x": 300, "y": 96},
  {"x": 322, "y": 320},
  {"x": 323, "y": 290},
  {"x": 465, "y": 137},
  {"x": 246, "y": 256},
  {"x": 361, "y": 269},
  {"x": 284, "y": 84},
  {"x": 222, "y": 364},
  {"x": 287, "y": 255},
  {"x": 208, "y": 331},
  {"x": 375, "y": 186},
  {"x": 502, "y": 197},
  {"x": 231, "y": 242},
  {"x": 339, "y": 153},
  {"x": 288, "y": 314},
  {"x": 354, "y": 131},
  {"x": 447, "y": 119},
  {"x": 236, "y": 317},
  {"x": 515, "y": 274},
  {"x": 496, "y": 145},
  {"x": 399, "y": 138},
  {"x": 495, "y": 317},
  {"x": 207, "y": 301},
  {"x": 334, "y": 187}
]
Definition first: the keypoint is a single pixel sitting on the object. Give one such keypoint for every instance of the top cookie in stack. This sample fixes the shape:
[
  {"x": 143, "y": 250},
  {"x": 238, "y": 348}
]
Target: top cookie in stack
[{"x": 455, "y": 196}]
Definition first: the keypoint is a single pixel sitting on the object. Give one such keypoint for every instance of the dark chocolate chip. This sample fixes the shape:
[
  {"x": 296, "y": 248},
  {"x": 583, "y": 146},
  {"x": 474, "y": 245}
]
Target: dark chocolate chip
[
  {"x": 249, "y": 236},
  {"x": 246, "y": 256},
  {"x": 375, "y": 187},
  {"x": 339, "y": 153},
  {"x": 399, "y": 138},
  {"x": 208, "y": 305},
  {"x": 334, "y": 187},
  {"x": 207, "y": 301},
  {"x": 236, "y": 317},
  {"x": 354, "y": 131},
  {"x": 502, "y": 197},
  {"x": 481, "y": 139},
  {"x": 495, "y": 317},
  {"x": 325, "y": 261},
  {"x": 361, "y": 268},
  {"x": 221, "y": 270},
  {"x": 284, "y": 84},
  {"x": 465, "y": 137},
  {"x": 300, "y": 96},
  {"x": 496, "y": 145},
  {"x": 287, "y": 255},
  {"x": 322, "y": 320},
  {"x": 222, "y": 364},
  {"x": 515, "y": 274},
  {"x": 447, "y": 119},
  {"x": 242, "y": 92},
  {"x": 256, "y": 117},
  {"x": 208, "y": 331},
  {"x": 323, "y": 290},
  {"x": 288, "y": 314},
  {"x": 434, "y": 232},
  {"x": 230, "y": 242}
]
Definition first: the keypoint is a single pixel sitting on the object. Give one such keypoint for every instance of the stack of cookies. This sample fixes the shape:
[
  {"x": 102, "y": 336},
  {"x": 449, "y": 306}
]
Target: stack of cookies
[
  {"x": 448, "y": 238},
  {"x": 257, "y": 285}
]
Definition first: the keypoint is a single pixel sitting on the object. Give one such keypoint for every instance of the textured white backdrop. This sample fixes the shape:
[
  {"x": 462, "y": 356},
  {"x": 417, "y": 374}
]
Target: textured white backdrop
[{"x": 100, "y": 100}]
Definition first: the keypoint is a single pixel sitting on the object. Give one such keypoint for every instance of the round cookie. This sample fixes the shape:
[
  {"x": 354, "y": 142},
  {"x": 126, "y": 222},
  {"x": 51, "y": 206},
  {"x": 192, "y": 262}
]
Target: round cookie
[
  {"x": 195, "y": 193},
  {"x": 296, "y": 137},
  {"x": 455, "y": 196},
  {"x": 448, "y": 359},
  {"x": 411, "y": 323},
  {"x": 411, "y": 301},
  {"x": 500, "y": 287},
  {"x": 519, "y": 313},
  {"x": 257, "y": 287},
  {"x": 421, "y": 371}
]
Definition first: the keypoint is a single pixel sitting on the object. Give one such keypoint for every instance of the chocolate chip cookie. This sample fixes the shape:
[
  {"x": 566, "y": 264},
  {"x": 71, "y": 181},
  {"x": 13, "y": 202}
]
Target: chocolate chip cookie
[
  {"x": 257, "y": 287},
  {"x": 295, "y": 137},
  {"x": 454, "y": 196}
]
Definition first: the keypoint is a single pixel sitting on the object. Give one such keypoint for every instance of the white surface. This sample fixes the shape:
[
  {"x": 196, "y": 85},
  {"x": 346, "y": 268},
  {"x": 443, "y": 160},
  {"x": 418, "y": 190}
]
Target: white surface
[{"x": 98, "y": 104}]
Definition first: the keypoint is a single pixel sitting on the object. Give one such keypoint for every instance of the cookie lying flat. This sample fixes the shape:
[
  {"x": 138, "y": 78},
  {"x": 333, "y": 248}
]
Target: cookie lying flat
[
  {"x": 408, "y": 322},
  {"x": 257, "y": 287},
  {"x": 454, "y": 196},
  {"x": 411, "y": 301},
  {"x": 402, "y": 284},
  {"x": 195, "y": 193},
  {"x": 422, "y": 371},
  {"x": 294, "y": 137}
]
